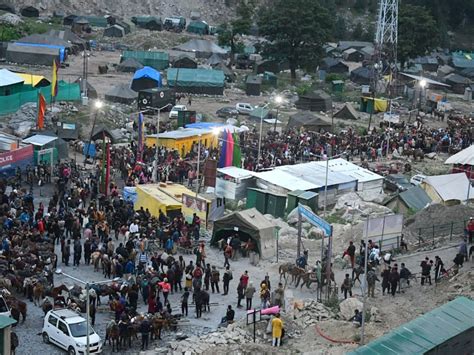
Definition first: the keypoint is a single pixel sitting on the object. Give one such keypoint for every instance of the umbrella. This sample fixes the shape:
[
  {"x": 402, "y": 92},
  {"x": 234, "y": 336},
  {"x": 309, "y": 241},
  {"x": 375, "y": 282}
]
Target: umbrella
[{"x": 244, "y": 128}]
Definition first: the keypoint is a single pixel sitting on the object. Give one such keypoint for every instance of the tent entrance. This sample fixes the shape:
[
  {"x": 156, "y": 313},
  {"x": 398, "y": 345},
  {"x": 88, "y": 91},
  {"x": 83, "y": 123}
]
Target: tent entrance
[{"x": 222, "y": 235}]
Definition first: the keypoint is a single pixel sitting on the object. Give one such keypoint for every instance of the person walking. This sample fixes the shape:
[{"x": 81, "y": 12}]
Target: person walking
[
  {"x": 184, "y": 302},
  {"x": 249, "y": 292},
  {"x": 77, "y": 252},
  {"x": 280, "y": 295},
  {"x": 346, "y": 286},
  {"x": 425, "y": 271},
  {"x": 227, "y": 255},
  {"x": 351, "y": 249},
  {"x": 207, "y": 276},
  {"x": 371, "y": 279},
  {"x": 439, "y": 268},
  {"x": 264, "y": 295},
  {"x": 240, "y": 293},
  {"x": 67, "y": 252},
  {"x": 226, "y": 280},
  {"x": 277, "y": 330},
  {"x": 87, "y": 251},
  {"x": 215, "y": 278},
  {"x": 145, "y": 328},
  {"x": 165, "y": 289},
  {"x": 385, "y": 280},
  {"x": 394, "y": 278}
]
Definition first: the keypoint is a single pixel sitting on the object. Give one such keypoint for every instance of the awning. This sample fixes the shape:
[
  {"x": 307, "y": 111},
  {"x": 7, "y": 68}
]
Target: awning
[{"x": 39, "y": 140}]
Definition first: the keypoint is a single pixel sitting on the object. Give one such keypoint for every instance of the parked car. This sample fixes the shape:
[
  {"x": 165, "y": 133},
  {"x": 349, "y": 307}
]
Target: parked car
[
  {"x": 244, "y": 108},
  {"x": 4, "y": 309},
  {"x": 226, "y": 112},
  {"x": 417, "y": 179},
  {"x": 67, "y": 329},
  {"x": 396, "y": 182},
  {"x": 174, "y": 111}
]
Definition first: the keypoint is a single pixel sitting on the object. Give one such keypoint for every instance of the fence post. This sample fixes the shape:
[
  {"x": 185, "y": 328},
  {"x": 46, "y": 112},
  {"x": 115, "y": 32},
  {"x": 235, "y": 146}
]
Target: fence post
[
  {"x": 398, "y": 242},
  {"x": 451, "y": 233},
  {"x": 419, "y": 236},
  {"x": 433, "y": 234}
]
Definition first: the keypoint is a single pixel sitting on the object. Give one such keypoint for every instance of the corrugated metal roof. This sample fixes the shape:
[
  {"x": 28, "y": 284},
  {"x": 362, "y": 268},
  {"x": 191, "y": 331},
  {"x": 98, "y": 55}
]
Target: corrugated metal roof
[
  {"x": 182, "y": 133},
  {"x": 350, "y": 169},
  {"x": 425, "y": 332},
  {"x": 39, "y": 139},
  {"x": 415, "y": 198},
  {"x": 236, "y": 173},
  {"x": 286, "y": 180},
  {"x": 6, "y": 321},
  {"x": 9, "y": 78}
]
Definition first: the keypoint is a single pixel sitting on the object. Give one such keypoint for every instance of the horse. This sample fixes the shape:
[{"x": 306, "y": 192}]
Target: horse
[
  {"x": 201, "y": 298},
  {"x": 17, "y": 308},
  {"x": 283, "y": 269},
  {"x": 47, "y": 305},
  {"x": 308, "y": 278},
  {"x": 38, "y": 291},
  {"x": 112, "y": 334},
  {"x": 96, "y": 258}
]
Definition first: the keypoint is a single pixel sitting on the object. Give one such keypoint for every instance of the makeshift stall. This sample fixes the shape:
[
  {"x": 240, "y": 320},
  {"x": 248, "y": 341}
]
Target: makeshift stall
[
  {"x": 369, "y": 104},
  {"x": 151, "y": 198},
  {"x": 247, "y": 224},
  {"x": 182, "y": 140}
]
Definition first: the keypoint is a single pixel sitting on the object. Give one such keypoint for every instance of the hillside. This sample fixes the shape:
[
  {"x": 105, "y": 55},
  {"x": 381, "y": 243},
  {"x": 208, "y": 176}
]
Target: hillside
[{"x": 214, "y": 11}]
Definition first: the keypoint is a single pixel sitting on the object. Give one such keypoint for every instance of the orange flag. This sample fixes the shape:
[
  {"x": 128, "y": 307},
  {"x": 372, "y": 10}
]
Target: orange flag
[{"x": 41, "y": 111}]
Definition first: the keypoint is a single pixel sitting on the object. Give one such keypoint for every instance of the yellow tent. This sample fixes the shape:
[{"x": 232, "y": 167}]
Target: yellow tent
[
  {"x": 149, "y": 196},
  {"x": 182, "y": 139},
  {"x": 34, "y": 80}
]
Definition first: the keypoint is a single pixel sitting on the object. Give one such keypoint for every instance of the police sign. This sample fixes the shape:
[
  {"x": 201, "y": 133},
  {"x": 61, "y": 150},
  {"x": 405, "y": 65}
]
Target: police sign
[{"x": 315, "y": 220}]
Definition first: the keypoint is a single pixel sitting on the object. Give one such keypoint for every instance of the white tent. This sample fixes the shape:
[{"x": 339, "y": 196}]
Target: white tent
[
  {"x": 464, "y": 157},
  {"x": 448, "y": 188}
]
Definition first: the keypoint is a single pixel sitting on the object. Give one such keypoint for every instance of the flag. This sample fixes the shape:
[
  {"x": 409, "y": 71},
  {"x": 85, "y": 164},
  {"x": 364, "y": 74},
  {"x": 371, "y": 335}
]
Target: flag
[
  {"x": 41, "y": 111},
  {"x": 237, "y": 157},
  {"x": 229, "y": 154},
  {"x": 222, "y": 155},
  {"x": 103, "y": 183},
  {"x": 107, "y": 169},
  {"x": 54, "y": 81},
  {"x": 141, "y": 130}
]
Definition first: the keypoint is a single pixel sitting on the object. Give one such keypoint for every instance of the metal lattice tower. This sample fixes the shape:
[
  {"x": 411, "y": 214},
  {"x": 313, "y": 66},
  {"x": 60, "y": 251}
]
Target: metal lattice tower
[{"x": 386, "y": 40}]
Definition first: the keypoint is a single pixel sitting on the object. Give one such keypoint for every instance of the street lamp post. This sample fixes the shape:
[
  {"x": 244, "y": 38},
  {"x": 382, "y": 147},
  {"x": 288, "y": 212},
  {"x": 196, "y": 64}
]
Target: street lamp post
[
  {"x": 423, "y": 84},
  {"x": 261, "y": 132},
  {"x": 87, "y": 285},
  {"x": 278, "y": 101},
  {"x": 157, "y": 147},
  {"x": 198, "y": 165},
  {"x": 97, "y": 106}
]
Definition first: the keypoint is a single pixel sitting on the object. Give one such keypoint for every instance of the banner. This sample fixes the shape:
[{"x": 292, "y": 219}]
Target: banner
[
  {"x": 54, "y": 81},
  {"x": 16, "y": 158},
  {"x": 192, "y": 205},
  {"x": 141, "y": 132}
]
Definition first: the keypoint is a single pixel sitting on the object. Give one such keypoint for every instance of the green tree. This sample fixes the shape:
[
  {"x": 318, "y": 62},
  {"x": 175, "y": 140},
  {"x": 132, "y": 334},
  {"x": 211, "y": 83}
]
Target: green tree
[
  {"x": 296, "y": 31},
  {"x": 229, "y": 32},
  {"x": 358, "y": 32},
  {"x": 417, "y": 32},
  {"x": 369, "y": 33},
  {"x": 360, "y": 5},
  {"x": 340, "y": 29}
]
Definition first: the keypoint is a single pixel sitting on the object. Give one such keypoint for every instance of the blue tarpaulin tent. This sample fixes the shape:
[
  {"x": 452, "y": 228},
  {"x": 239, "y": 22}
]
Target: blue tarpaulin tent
[{"x": 146, "y": 78}]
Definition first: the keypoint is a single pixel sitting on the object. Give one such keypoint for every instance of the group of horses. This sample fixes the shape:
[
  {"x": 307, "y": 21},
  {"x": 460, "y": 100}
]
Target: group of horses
[{"x": 300, "y": 275}]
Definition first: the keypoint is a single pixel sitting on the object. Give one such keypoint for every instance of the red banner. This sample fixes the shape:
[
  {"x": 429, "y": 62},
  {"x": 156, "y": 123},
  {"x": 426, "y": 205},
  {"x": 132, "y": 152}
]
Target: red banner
[{"x": 16, "y": 156}]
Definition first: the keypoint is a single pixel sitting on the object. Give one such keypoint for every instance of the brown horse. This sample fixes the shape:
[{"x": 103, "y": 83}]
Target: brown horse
[
  {"x": 307, "y": 279},
  {"x": 38, "y": 291},
  {"x": 112, "y": 334},
  {"x": 17, "y": 308}
]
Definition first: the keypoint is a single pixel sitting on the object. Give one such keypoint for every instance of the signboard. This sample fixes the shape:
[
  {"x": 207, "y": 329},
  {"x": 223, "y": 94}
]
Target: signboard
[
  {"x": 191, "y": 205},
  {"x": 315, "y": 220},
  {"x": 16, "y": 158},
  {"x": 392, "y": 118},
  {"x": 385, "y": 230},
  {"x": 69, "y": 126}
]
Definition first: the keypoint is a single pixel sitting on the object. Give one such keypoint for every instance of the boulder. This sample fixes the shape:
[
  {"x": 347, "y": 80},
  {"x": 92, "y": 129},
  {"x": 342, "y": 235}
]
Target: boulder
[{"x": 348, "y": 306}]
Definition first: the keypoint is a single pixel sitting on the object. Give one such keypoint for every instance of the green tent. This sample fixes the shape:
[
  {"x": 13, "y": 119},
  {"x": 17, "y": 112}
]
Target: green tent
[
  {"x": 259, "y": 113},
  {"x": 199, "y": 27},
  {"x": 247, "y": 224},
  {"x": 149, "y": 22},
  {"x": 156, "y": 60},
  {"x": 198, "y": 81},
  {"x": 96, "y": 21}
]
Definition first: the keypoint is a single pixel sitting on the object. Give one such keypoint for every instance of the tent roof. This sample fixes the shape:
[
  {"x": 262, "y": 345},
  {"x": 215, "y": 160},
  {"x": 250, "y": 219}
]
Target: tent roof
[
  {"x": 31, "y": 79},
  {"x": 66, "y": 35},
  {"x": 464, "y": 157},
  {"x": 130, "y": 63},
  {"x": 428, "y": 81},
  {"x": 9, "y": 78},
  {"x": 457, "y": 79},
  {"x": 259, "y": 112},
  {"x": 347, "y": 111},
  {"x": 122, "y": 91},
  {"x": 100, "y": 130},
  {"x": 415, "y": 198},
  {"x": 44, "y": 39},
  {"x": 195, "y": 77},
  {"x": 364, "y": 72},
  {"x": 317, "y": 95},
  {"x": 450, "y": 186},
  {"x": 340, "y": 165},
  {"x": 201, "y": 45},
  {"x": 214, "y": 59},
  {"x": 425, "y": 332},
  {"x": 39, "y": 140},
  {"x": 343, "y": 45},
  {"x": 236, "y": 173},
  {"x": 182, "y": 133},
  {"x": 250, "y": 218},
  {"x": 463, "y": 60},
  {"x": 147, "y": 72},
  {"x": 306, "y": 118},
  {"x": 286, "y": 180}
]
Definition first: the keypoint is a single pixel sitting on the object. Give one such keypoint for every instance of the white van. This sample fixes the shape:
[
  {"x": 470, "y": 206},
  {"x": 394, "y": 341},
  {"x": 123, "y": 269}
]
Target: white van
[
  {"x": 244, "y": 108},
  {"x": 67, "y": 329}
]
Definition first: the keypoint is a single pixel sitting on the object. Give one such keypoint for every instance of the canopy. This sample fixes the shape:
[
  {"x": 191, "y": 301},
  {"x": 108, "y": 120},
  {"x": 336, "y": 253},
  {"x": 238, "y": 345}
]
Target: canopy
[
  {"x": 199, "y": 27},
  {"x": 195, "y": 77},
  {"x": 449, "y": 187},
  {"x": 147, "y": 72},
  {"x": 253, "y": 224},
  {"x": 130, "y": 65},
  {"x": 156, "y": 60},
  {"x": 464, "y": 157},
  {"x": 39, "y": 140},
  {"x": 122, "y": 94},
  {"x": 308, "y": 120},
  {"x": 214, "y": 59},
  {"x": 146, "y": 78}
]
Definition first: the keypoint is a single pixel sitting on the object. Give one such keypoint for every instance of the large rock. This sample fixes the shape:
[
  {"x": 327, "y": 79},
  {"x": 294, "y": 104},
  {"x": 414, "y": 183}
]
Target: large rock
[
  {"x": 348, "y": 306},
  {"x": 11, "y": 19}
]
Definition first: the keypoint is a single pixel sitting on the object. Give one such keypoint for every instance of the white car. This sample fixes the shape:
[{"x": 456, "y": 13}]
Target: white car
[
  {"x": 4, "y": 309},
  {"x": 174, "y": 111},
  {"x": 244, "y": 108},
  {"x": 417, "y": 179},
  {"x": 67, "y": 329}
]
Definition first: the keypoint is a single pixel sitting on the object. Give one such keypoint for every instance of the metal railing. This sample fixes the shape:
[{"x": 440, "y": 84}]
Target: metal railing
[{"x": 429, "y": 234}]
